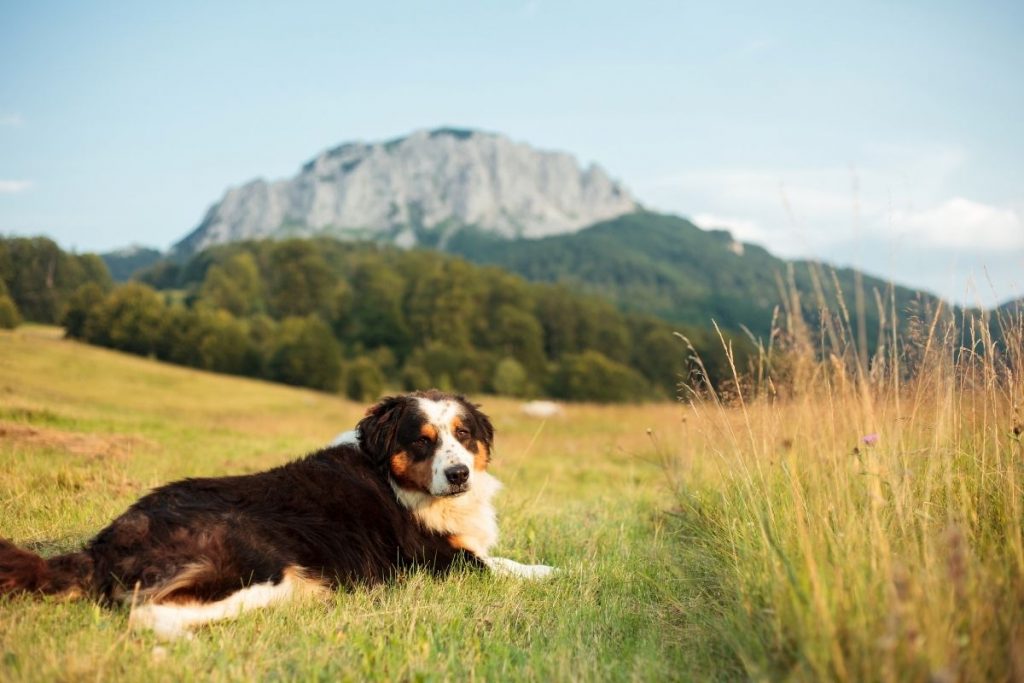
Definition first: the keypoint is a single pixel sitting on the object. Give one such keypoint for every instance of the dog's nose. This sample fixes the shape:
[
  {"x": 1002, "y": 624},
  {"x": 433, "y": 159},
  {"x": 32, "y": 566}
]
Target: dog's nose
[{"x": 457, "y": 474}]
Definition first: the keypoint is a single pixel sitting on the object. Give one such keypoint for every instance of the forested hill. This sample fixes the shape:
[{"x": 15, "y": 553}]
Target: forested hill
[
  {"x": 666, "y": 266},
  {"x": 363, "y": 317}
]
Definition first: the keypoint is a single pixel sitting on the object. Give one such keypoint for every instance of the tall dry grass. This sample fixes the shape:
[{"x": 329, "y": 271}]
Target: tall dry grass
[{"x": 855, "y": 518}]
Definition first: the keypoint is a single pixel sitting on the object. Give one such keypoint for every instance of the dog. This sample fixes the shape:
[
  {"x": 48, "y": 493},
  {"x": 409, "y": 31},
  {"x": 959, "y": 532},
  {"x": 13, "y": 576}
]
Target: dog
[{"x": 408, "y": 489}]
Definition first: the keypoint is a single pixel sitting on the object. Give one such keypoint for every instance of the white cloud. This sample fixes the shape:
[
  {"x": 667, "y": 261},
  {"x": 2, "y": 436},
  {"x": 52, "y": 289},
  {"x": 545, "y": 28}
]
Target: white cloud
[
  {"x": 14, "y": 186},
  {"x": 742, "y": 229},
  {"x": 790, "y": 212},
  {"x": 796, "y": 211},
  {"x": 11, "y": 120},
  {"x": 962, "y": 223}
]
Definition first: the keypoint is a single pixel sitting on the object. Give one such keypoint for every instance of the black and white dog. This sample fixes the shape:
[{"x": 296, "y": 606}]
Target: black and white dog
[{"x": 409, "y": 489}]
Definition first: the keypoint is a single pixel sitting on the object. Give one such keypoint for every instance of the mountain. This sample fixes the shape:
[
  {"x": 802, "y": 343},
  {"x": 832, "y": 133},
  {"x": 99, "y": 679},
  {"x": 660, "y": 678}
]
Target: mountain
[
  {"x": 666, "y": 266},
  {"x": 419, "y": 190},
  {"x": 539, "y": 214},
  {"x": 123, "y": 263}
]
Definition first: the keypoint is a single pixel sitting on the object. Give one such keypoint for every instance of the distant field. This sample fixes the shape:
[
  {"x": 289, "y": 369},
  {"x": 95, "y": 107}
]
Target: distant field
[{"x": 84, "y": 431}]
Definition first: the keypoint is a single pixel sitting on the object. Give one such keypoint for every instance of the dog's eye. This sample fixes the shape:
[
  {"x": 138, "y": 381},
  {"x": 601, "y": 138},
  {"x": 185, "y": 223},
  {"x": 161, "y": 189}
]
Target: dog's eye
[
  {"x": 423, "y": 441},
  {"x": 462, "y": 433}
]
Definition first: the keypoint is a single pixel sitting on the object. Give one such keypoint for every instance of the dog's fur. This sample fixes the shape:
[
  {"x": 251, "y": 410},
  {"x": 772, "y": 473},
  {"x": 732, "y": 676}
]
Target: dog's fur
[{"x": 412, "y": 491}]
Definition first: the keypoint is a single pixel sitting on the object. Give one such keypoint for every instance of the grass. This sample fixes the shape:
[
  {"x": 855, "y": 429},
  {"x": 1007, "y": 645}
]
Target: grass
[
  {"x": 858, "y": 523},
  {"x": 85, "y": 431},
  {"x": 758, "y": 535}
]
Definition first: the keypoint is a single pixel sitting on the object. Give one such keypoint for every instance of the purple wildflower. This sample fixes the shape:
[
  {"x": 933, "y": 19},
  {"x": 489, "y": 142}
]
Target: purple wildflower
[{"x": 870, "y": 439}]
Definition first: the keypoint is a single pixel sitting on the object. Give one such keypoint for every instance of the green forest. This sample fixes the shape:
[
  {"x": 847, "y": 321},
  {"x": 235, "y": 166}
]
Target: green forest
[
  {"x": 360, "y": 319},
  {"x": 666, "y": 266}
]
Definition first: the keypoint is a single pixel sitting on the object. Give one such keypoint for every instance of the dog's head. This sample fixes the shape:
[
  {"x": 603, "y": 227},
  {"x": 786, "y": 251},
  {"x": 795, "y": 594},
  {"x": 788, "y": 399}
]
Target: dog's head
[{"x": 428, "y": 442}]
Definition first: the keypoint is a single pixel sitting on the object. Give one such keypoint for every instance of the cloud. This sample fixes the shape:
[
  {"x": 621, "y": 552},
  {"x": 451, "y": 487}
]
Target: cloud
[
  {"x": 962, "y": 223},
  {"x": 792, "y": 212},
  {"x": 742, "y": 229},
  {"x": 901, "y": 213},
  {"x": 11, "y": 120},
  {"x": 899, "y": 194},
  {"x": 14, "y": 186}
]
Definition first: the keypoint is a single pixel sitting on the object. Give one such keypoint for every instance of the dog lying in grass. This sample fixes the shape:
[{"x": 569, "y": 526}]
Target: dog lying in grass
[{"x": 410, "y": 489}]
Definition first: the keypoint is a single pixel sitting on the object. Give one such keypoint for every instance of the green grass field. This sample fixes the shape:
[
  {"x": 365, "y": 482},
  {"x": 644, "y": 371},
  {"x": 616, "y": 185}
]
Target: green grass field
[
  {"x": 834, "y": 521},
  {"x": 85, "y": 431}
]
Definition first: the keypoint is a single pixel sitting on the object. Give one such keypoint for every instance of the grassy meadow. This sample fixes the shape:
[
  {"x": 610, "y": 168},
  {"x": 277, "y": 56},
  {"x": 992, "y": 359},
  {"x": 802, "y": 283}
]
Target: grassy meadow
[
  {"x": 84, "y": 431},
  {"x": 832, "y": 520}
]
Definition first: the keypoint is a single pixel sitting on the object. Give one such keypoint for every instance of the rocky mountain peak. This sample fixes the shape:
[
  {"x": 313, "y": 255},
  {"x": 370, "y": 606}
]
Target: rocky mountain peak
[{"x": 419, "y": 190}]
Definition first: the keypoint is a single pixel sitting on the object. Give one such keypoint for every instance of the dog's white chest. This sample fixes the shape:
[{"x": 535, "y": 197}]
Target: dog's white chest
[{"x": 470, "y": 517}]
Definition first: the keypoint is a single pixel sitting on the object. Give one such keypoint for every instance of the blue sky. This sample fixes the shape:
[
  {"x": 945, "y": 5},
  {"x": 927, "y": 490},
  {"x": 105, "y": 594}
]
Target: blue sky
[{"x": 879, "y": 134}]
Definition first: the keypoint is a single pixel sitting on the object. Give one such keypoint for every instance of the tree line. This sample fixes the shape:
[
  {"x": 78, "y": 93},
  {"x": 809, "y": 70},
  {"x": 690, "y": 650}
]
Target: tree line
[
  {"x": 37, "y": 277},
  {"x": 361, "y": 318}
]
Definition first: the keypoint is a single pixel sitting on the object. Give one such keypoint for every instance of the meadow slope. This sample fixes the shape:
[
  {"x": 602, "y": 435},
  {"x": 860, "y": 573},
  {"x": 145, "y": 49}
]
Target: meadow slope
[{"x": 85, "y": 431}]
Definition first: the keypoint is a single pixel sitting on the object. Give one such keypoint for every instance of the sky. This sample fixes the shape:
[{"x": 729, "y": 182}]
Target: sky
[{"x": 881, "y": 135}]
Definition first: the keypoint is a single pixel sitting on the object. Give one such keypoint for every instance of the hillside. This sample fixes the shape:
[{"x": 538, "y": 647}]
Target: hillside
[
  {"x": 666, "y": 266},
  {"x": 124, "y": 263},
  {"x": 359, "y": 317},
  {"x": 418, "y": 190}
]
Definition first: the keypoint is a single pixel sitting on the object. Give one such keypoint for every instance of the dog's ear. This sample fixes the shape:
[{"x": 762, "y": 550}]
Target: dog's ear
[
  {"x": 378, "y": 431},
  {"x": 484, "y": 427}
]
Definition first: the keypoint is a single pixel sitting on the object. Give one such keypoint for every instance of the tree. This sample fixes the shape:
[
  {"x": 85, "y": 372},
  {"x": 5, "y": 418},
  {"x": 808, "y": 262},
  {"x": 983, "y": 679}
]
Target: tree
[
  {"x": 207, "y": 339},
  {"x": 131, "y": 319},
  {"x": 510, "y": 378},
  {"x": 518, "y": 335},
  {"x": 83, "y": 304},
  {"x": 306, "y": 354},
  {"x": 376, "y": 318},
  {"x": 9, "y": 315},
  {"x": 262, "y": 338},
  {"x": 591, "y": 376},
  {"x": 660, "y": 356},
  {"x": 603, "y": 329},
  {"x": 364, "y": 380},
  {"x": 235, "y": 286},
  {"x": 415, "y": 378},
  {"x": 443, "y": 300},
  {"x": 40, "y": 277},
  {"x": 446, "y": 366},
  {"x": 299, "y": 281},
  {"x": 559, "y": 317}
]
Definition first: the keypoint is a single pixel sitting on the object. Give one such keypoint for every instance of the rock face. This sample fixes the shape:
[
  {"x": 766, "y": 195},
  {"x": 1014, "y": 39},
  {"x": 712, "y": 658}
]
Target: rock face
[{"x": 419, "y": 190}]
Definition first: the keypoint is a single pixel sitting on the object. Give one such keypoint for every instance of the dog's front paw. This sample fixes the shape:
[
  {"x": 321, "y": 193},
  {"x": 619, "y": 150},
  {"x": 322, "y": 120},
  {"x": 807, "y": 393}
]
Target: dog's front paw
[{"x": 505, "y": 567}]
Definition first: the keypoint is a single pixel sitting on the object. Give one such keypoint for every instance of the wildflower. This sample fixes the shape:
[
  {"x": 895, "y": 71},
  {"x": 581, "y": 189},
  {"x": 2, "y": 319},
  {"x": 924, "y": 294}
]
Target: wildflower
[{"x": 870, "y": 439}]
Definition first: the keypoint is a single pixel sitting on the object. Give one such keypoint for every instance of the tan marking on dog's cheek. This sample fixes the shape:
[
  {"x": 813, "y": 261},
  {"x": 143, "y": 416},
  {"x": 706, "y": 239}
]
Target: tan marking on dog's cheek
[
  {"x": 410, "y": 474},
  {"x": 400, "y": 463},
  {"x": 481, "y": 456}
]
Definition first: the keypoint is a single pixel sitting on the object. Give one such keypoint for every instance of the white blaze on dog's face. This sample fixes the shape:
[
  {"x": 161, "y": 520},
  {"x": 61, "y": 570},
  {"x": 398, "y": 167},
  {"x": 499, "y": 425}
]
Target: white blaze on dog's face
[{"x": 446, "y": 436}]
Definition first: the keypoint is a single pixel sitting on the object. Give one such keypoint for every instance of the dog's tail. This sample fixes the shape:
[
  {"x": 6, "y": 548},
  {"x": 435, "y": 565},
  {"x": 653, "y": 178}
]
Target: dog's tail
[{"x": 22, "y": 571}]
